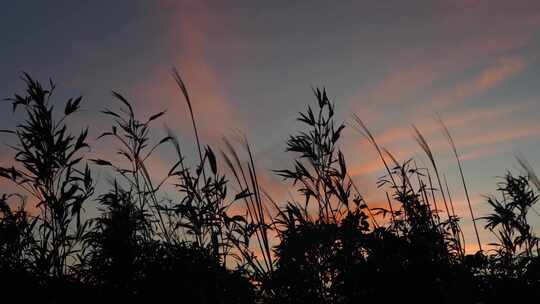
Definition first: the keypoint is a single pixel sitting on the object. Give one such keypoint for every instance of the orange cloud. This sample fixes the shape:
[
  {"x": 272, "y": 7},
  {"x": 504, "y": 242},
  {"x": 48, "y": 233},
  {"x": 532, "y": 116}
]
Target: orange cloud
[
  {"x": 403, "y": 82},
  {"x": 502, "y": 136},
  {"x": 486, "y": 79},
  {"x": 188, "y": 36},
  {"x": 366, "y": 168},
  {"x": 491, "y": 77},
  {"x": 402, "y": 135},
  {"x": 479, "y": 153}
]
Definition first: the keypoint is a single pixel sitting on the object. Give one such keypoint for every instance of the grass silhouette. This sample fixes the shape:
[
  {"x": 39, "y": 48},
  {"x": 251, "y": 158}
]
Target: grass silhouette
[{"x": 327, "y": 245}]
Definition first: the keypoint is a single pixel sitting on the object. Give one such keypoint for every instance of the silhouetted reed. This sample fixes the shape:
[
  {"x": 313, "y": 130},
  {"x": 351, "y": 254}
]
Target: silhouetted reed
[{"x": 189, "y": 237}]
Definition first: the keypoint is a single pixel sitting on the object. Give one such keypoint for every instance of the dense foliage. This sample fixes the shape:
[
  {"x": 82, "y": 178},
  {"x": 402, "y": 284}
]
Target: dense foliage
[{"x": 325, "y": 245}]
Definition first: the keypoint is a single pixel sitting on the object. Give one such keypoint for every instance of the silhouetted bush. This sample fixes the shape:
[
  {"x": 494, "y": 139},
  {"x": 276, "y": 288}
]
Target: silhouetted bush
[{"x": 326, "y": 245}]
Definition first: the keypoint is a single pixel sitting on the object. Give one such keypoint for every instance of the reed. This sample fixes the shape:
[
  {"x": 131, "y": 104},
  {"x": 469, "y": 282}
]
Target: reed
[{"x": 188, "y": 234}]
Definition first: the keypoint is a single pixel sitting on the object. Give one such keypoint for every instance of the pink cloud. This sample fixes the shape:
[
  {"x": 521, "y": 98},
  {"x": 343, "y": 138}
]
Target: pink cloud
[
  {"x": 403, "y": 82},
  {"x": 188, "y": 38},
  {"x": 504, "y": 69}
]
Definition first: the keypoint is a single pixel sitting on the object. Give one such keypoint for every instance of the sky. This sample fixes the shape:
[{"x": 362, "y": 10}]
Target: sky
[{"x": 250, "y": 67}]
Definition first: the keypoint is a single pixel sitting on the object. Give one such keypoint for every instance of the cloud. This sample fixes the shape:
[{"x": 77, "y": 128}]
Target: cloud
[
  {"x": 488, "y": 78},
  {"x": 480, "y": 153},
  {"x": 473, "y": 116},
  {"x": 469, "y": 133},
  {"x": 403, "y": 82},
  {"x": 366, "y": 168},
  {"x": 187, "y": 40},
  {"x": 504, "y": 69},
  {"x": 499, "y": 136}
]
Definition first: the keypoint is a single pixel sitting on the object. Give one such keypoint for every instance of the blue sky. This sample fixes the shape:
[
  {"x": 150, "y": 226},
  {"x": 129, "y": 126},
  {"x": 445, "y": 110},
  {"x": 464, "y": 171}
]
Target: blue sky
[{"x": 251, "y": 65}]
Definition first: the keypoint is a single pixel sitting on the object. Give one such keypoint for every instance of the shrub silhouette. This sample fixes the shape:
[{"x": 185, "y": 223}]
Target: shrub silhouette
[
  {"x": 325, "y": 245},
  {"x": 50, "y": 172}
]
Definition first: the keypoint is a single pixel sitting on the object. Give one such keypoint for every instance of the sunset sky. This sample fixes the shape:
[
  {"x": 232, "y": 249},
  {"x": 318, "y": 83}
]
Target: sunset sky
[{"x": 251, "y": 65}]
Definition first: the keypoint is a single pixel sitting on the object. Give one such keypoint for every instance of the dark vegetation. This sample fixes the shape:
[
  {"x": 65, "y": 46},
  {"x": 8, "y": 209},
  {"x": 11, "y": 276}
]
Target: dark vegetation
[{"x": 328, "y": 246}]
